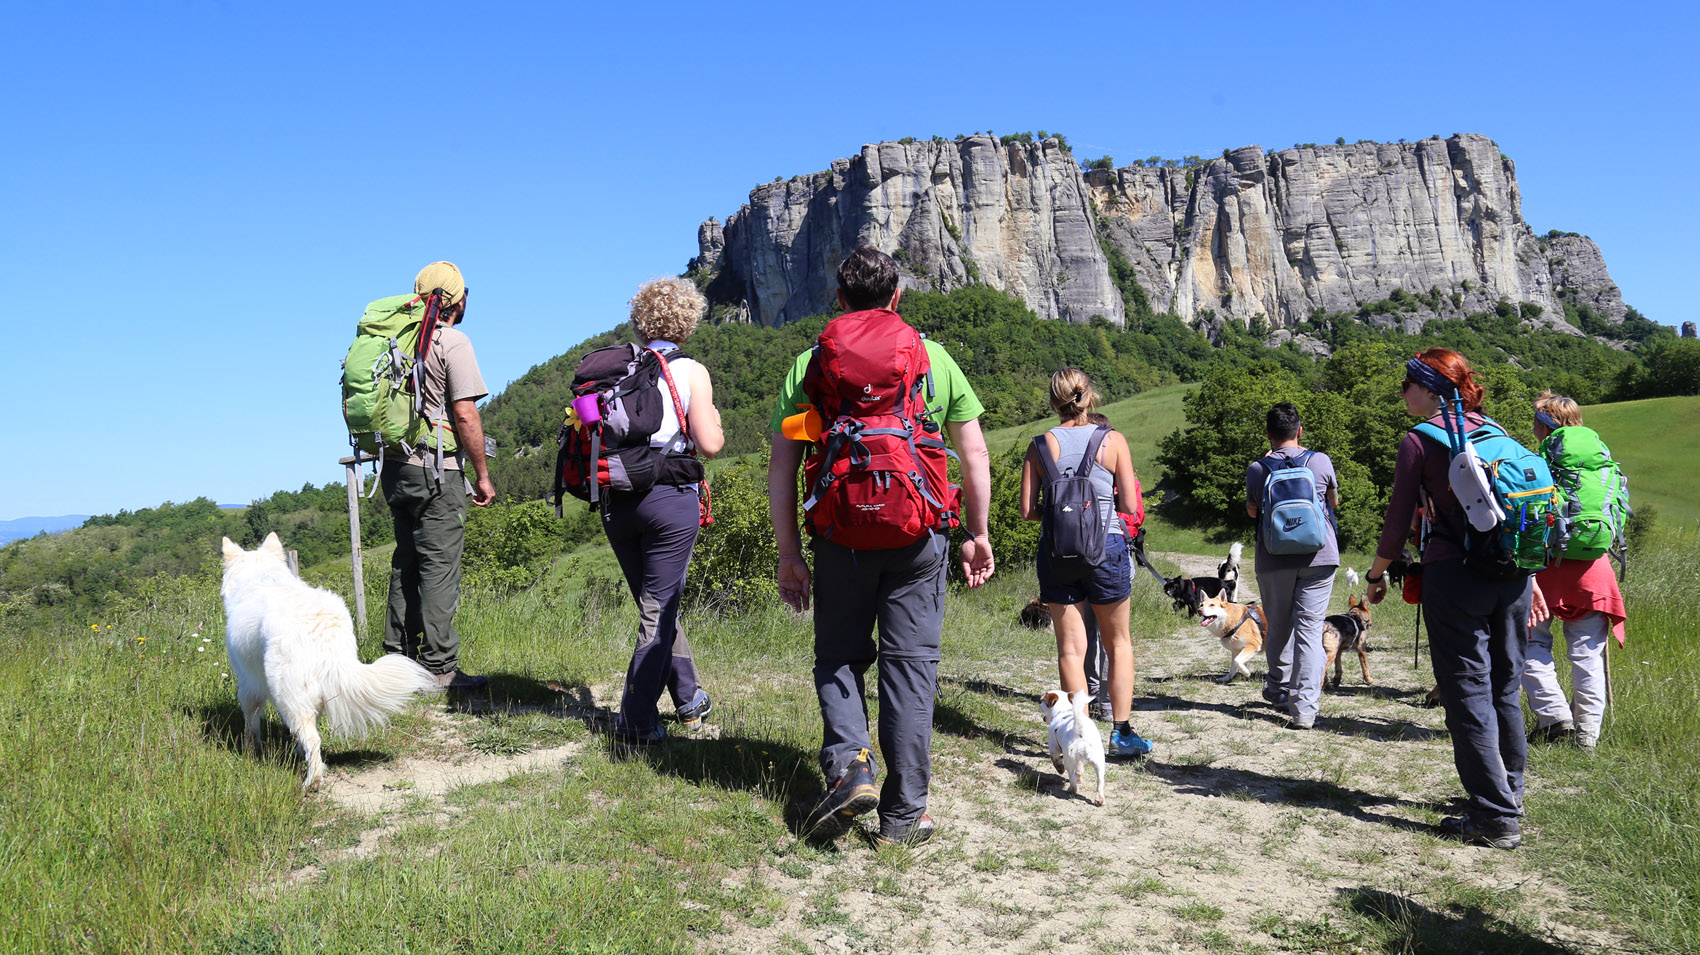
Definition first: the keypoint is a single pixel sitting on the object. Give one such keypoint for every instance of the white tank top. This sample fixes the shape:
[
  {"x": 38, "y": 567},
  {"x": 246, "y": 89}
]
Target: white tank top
[{"x": 680, "y": 368}]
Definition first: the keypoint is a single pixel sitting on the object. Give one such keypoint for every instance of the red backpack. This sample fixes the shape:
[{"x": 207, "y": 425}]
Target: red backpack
[{"x": 878, "y": 478}]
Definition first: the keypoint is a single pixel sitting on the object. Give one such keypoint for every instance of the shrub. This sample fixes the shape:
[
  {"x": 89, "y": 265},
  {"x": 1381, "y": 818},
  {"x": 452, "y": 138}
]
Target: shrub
[{"x": 735, "y": 557}]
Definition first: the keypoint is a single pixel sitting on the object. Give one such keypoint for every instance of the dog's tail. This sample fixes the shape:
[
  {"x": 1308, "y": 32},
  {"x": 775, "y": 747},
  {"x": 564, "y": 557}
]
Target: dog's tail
[
  {"x": 1351, "y": 577},
  {"x": 360, "y": 697},
  {"x": 1077, "y": 701},
  {"x": 1234, "y": 555}
]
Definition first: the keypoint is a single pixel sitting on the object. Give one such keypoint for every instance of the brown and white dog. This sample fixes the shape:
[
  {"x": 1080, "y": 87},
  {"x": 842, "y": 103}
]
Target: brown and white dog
[
  {"x": 1347, "y": 631},
  {"x": 1074, "y": 738},
  {"x": 1240, "y": 627}
]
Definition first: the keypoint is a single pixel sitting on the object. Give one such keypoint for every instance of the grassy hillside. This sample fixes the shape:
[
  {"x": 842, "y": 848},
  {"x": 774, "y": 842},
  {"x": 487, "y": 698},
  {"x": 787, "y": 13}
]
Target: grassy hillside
[{"x": 1657, "y": 441}]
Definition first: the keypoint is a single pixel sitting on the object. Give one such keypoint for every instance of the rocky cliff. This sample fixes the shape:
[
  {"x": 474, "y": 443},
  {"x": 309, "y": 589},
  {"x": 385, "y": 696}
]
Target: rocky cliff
[{"x": 1273, "y": 234}]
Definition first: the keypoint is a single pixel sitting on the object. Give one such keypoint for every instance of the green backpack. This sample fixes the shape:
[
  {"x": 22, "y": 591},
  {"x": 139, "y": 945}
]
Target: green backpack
[
  {"x": 382, "y": 401},
  {"x": 1595, "y": 495}
]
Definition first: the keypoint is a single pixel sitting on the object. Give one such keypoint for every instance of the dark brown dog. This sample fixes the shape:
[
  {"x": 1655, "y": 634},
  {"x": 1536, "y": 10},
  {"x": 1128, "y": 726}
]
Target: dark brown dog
[
  {"x": 1036, "y": 616},
  {"x": 1347, "y": 631}
]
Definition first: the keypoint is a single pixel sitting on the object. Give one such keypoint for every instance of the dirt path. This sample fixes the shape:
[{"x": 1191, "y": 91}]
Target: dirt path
[{"x": 1238, "y": 834}]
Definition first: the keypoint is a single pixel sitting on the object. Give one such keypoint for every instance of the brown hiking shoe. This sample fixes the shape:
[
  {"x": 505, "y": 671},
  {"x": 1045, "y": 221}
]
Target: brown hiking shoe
[
  {"x": 456, "y": 680},
  {"x": 851, "y": 795}
]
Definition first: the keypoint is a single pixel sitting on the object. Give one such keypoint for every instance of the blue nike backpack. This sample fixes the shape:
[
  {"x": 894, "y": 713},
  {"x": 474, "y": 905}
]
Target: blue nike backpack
[{"x": 1293, "y": 517}]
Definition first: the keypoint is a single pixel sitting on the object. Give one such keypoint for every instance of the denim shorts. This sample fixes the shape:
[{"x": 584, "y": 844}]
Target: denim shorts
[{"x": 1107, "y": 583}]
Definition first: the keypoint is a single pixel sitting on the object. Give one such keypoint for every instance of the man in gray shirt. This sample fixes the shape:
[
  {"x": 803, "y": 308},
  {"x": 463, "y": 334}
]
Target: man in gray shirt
[{"x": 1295, "y": 587}]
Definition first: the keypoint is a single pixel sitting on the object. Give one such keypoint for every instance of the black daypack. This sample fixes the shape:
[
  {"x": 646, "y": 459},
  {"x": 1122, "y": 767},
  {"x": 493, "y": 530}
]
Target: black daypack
[
  {"x": 1074, "y": 526},
  {"x": 629, "y": 389}
]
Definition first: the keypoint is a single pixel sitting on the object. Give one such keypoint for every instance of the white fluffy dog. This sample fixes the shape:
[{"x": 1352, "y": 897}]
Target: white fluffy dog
[
  {"x": 1075, "y": 740},
  {"x": 294, "y": 645}
]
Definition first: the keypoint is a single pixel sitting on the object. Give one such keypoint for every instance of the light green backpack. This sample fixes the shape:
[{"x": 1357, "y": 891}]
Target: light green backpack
[
  {"x": 382, "y": 400},
  {"x": 1594, "y": 491}
]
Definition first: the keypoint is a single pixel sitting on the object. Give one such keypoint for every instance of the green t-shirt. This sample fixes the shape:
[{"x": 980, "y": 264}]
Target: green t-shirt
[{"x": 953, "y": 398}]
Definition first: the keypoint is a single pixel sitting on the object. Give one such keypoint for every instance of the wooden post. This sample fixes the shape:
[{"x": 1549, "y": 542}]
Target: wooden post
[{"x": 351, "y": 466}]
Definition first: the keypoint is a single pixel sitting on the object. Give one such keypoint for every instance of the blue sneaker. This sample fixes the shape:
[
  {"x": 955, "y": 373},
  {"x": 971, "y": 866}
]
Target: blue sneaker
[
  {"x": 691, "y": 713},
  {"x": 1131, "y": 744}
]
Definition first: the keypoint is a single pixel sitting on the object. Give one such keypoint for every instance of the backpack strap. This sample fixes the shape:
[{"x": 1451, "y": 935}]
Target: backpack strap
[
  {"x": 678, "y": 406},
  {"x": 1084, "y": 468},
  {"x": 1047, "y": 464}
]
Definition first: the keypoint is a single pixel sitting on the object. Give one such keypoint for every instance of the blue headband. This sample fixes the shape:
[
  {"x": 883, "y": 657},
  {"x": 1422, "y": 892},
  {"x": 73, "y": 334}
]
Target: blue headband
[
  {"x": 1419, "y": 372},
  {"x": 1547, "y": 420}
]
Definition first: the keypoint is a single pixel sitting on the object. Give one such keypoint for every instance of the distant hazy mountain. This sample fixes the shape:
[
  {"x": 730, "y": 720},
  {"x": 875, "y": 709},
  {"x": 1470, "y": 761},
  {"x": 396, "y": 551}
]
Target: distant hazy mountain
[{"x": 30, "y": 526}]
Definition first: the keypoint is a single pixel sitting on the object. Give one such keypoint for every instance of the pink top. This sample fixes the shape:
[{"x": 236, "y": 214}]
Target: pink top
[{"x": 1577, "y": 588}]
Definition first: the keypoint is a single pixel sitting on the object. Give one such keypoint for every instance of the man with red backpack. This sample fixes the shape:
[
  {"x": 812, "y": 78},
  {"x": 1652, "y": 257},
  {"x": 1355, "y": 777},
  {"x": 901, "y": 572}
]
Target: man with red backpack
[{"x": 878, "y": 399}]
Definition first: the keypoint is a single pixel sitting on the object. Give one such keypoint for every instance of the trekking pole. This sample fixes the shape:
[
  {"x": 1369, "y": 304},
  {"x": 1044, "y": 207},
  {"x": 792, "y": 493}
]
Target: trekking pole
[
  {"x": 1417, "y": 642},
  {"x": 1609, "y": 638}
]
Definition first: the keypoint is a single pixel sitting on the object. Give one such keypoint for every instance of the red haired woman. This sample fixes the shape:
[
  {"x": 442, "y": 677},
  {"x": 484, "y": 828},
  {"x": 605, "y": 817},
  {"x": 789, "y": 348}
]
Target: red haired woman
[{"x": 1478, "y": 625}]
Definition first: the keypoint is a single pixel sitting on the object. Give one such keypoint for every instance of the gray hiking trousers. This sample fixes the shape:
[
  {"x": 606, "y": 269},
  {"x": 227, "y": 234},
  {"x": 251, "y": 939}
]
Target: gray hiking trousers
[
  {"x": 902, "y": 591},
  {"x": 430, "y": 533},
  {"x": 1295, "y": 602},
  {"x": 653, "y": 533}
]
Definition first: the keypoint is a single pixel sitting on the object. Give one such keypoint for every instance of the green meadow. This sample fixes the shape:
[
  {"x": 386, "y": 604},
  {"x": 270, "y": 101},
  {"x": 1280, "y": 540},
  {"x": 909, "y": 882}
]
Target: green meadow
[{"x": 130, "y": 820}]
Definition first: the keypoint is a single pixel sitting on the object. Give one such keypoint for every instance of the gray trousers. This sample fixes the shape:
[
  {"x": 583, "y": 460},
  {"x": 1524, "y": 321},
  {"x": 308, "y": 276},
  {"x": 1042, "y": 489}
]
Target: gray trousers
[
  {"x": 430, "y": 534},
  {"x": 1477, "y": 629},
  {"x": 902, "y": 591},
  {"x": 652, "y": 534},
  {"x": 1295, "y": 601}
]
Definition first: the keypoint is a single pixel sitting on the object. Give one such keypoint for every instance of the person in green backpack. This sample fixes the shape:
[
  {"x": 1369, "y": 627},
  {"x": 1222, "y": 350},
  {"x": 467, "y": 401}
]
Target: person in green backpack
[
  {"x": 1580, "y": 589},
  {"x": 412, "y": 400}
]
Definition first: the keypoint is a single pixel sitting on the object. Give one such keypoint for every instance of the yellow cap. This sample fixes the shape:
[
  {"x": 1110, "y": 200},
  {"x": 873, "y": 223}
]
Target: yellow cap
[{"x": 440, "y": 275}]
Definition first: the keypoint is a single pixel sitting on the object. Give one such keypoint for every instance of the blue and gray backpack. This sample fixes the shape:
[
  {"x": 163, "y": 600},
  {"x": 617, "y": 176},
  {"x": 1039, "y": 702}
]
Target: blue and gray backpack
[{"x": 1293, "y": 518}]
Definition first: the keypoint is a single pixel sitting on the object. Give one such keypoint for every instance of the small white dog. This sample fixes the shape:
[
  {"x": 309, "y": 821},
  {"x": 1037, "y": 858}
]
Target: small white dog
[
  {"x": 294, "y": 645},
  {"x": 1075, "y": 740}
]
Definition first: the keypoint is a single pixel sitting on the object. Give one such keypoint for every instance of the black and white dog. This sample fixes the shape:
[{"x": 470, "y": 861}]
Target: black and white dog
[{"x": 1189, "y": 592}]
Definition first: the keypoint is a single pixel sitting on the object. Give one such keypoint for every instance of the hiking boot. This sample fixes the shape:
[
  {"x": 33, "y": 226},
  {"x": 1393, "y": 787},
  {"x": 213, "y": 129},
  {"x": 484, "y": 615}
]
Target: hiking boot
[
  {"x": 851, "y": 795},
  {"x": 1274, "y": 695},
  {"x": 625, "y": 736},
  {"x": 919, "y": 832},
  {"x": 456, "y": 680},
  {"x": 1588, "y": 739},
  {"x": 1132, "y": 744},
  {"x": 1297, "y": 724},
  {"x": 1553, "y": 732},
  {"x": 691, "y": 713},
  {"x": 1101, "y": 712},
  {"x": 1505, "y": 834}
]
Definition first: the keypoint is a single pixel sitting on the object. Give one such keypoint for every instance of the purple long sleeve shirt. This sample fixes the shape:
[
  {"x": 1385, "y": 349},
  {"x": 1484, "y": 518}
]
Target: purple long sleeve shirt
[{"x": 1422, "y": 467}]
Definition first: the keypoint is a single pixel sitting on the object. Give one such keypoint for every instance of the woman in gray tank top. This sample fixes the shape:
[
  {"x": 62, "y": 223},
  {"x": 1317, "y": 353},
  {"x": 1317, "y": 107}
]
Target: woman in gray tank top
[{"x": 1104, "y": 585}]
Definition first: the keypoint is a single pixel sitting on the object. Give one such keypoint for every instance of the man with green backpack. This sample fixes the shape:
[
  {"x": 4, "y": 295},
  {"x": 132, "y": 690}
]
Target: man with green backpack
[
  {"x": 410, "y": 391},
  {"x": 1579, "y": 589}
]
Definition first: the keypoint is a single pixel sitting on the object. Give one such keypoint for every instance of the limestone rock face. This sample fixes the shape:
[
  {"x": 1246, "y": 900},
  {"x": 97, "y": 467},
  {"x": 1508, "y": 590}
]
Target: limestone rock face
[
  {"x": 951, "y": 213},
  {"x": 1687, "y": 329},
  {"x": 1277, "y": 234},
  {"x": 1579, "y": 273}
]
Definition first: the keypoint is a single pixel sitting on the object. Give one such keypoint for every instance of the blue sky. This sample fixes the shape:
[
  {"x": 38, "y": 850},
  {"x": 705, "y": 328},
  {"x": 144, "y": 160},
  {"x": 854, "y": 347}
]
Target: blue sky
[{"x": 200, "y": 197}]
